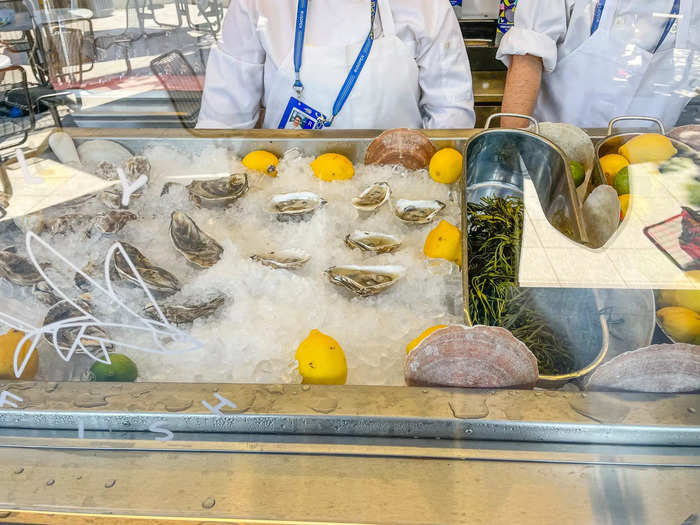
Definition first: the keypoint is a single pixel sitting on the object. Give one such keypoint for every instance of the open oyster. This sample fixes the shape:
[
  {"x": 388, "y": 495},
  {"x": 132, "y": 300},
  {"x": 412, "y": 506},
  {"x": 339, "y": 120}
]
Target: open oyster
[
  {"x": 373, "y": 242},
  {"x": 409, "y": 148},
  {"x": 18, "y": 270},
  {"x": 65, "y": 337},
  {"x": 221, "y": 192},
  {"x": 195, "y": 245},
  {"x": 372, "y": 197},
  {"x": 365, "y": 280},
  {"x": 184, "y": 314},
  {"x": 283, "y": 259},
  {"x": 417, "y": 212},
  {"x": 113, "y": 221},
  {"x": 299, "y": 204},
  {"x": 471, "y": 357},
  {"x": 155, "y": 278}
]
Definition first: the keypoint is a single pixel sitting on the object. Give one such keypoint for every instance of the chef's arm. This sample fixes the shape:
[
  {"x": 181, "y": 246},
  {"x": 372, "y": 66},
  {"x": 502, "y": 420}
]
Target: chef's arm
[
  {"x": 234, "y": 80},
  {"x": 522, "y": 87}
]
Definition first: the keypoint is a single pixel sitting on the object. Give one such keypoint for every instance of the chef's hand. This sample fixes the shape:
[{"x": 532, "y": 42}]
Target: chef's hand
[{"x": 522, "y": 87}]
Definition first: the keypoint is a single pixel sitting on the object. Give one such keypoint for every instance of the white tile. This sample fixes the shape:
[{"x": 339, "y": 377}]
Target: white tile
[
  {"x": 581, "y": 267},
  {"x": 535, "y": 269},
  {"x": 647, "y": 268}
]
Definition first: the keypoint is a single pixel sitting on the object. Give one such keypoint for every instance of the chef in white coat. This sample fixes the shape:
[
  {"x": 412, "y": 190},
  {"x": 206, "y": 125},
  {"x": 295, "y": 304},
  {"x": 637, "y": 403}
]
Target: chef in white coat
[
  {"x": 339, "y": 63},
  {"x": 587, "y": 61}
]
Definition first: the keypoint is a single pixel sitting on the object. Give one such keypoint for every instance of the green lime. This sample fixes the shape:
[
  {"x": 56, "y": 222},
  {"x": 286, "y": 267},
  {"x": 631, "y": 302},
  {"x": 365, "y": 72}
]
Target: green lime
[
  {"x": 577, "y": 172},
  {"x": 622, "y": 182},
  {"x": 121, "y": 369}
]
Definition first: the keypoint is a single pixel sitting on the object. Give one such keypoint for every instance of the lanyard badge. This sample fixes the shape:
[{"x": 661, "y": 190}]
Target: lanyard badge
[{"x": 315, "y": 119}]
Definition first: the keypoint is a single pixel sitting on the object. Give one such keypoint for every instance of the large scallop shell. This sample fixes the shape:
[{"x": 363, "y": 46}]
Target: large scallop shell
[
  {"x": 409, "y": 148},
  {"x": 667, "y": 368},
  {"x": 471, "y": 357},
  {"x": 196, "y": 246}
]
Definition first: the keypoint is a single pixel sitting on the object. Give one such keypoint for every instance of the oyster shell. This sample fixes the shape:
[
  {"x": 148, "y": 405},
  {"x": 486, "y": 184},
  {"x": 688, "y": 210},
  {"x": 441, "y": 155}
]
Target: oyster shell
[
  {"x": 18, "y": 270},
  {"x": 373, "y": 241},
  {"x": 113, "y": 221},
  {"x": 69, "y": 223},
  {"x": 417, "y": 212},
  {"x": 136, "y": 166},
  {"x": 471, "y": 357},
  {"x": 298, "y": 204},
  {"x": 283, "y": 259},
  {"x": 92, "y": 270},
  {"x": 221, "y": 192},
  {"x": 106, "y": 170},
  {"x": 365, "y": 280},
  {"x": 44, "y": 293},
  {"x": 156, "y": 279},
  {"x": 93, "y": 152},
  {"x": 372, "y": 197},
  {"x": 184, "y": 314},
  {"x": 33, "y": 222},
  {"x": 196, "y": 246},
  {"x": 113, "y": 198},
  {"x": 667, "y": 368},
  {"x": 65, "y": 337},
  {"x": 409, "y": 148}
]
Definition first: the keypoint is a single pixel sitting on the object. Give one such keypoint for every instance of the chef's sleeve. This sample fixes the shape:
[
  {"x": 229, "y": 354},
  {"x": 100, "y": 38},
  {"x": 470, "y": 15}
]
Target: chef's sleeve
[
  {"x": 447, "y": 98},
  {"x": 234, "y": 78},
  {"x": 538, "y": 27}
]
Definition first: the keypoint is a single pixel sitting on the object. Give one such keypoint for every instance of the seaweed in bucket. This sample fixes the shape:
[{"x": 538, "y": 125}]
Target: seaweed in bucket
[{"x": 495, "y": 234}]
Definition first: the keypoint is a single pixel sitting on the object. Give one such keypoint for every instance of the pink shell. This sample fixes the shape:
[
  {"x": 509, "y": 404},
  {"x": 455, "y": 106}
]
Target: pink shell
[
  {"x": 657, "y": 368},
  {"x": 407, "y": 147},
  {"x": 471, "y": 357}
]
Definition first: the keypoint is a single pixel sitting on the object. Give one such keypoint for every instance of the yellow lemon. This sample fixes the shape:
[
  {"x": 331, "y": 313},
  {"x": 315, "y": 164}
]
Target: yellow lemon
[
  {"x": 446, "y": 166},
  {"x": 332, "y": 166},
  {"x": 410, "y": 346},
  {"x": 321, "y": 360},
  {"x": 624, "y": 204},
  {"x": 8, "y": 344},
  {"x": 687, "y": 298},
  {"x": 262, "y": 161},
  {"x": 444, "y": 242},
  {"x": 611, "y": 164},
  {"x": 648, "y": 147},
  {"x": 682, "y": 324}
]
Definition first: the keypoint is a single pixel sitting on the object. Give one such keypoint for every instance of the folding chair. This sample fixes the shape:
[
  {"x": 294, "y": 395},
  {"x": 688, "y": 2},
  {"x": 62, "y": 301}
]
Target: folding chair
[{"x": 180, "y": 80}]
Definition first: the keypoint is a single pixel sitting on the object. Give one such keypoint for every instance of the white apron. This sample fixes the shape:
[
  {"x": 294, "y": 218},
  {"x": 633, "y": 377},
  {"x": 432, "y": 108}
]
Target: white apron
[
  {"x": 605, "y": 77},
  {"x": 386, "y": 95}
]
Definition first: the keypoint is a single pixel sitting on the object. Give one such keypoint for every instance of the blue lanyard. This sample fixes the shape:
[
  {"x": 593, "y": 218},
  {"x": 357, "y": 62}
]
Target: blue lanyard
[
  {"x": 598, "y": 14},
  {"x": 355, "y": 70}
]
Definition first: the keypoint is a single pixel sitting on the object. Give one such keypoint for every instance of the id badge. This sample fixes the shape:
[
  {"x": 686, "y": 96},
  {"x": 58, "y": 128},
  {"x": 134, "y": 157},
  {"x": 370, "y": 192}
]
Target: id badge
[{"x": 298, "y": 115}]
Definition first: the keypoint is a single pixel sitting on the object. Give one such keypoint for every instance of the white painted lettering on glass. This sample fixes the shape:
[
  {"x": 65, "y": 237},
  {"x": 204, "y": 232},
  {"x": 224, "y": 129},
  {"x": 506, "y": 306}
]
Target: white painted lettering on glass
[
  {"x": 160, "y": 429},
  {"x": 127, "y": 188},
  {"x": 222, "y": 403},
  {"x": 5, "y": 402},
  {"x": 81, "y": 429},
  {"x": 24, "y": 168},
  {"x": 164, "y": 338}
]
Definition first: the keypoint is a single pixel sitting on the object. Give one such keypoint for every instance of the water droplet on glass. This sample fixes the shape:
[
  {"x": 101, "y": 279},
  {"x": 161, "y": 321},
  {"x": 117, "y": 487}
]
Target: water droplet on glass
[
  {"x": 19, "y": 470},
  {"x": 208, "y": 503},
  {"x": 324, "y": 405},
  {"x": 173, "y": 404},
  {"x": 50, "y": 482},
  {"x": 691, "y": 410},
  {"x": 110, "y": 483},
  {"x": 469, "y": 408},
  {"x": 275, "y": 389},
  {"x": 306, "y": 388}
]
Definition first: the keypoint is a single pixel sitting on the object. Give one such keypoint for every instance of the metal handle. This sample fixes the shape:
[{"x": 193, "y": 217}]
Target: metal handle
[
  {"x": 649, "y": 119},
  {"x": 516, "y": 115}
]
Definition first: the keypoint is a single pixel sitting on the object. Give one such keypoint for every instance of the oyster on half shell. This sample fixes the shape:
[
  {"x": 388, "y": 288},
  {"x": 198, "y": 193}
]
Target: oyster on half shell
[
  {"x": 195, "y": 245},
  {"x": 155, "y": 278},
  {"x": 365, "y": 280},
  {"x": 373, "y": 242},
  {"x": 290, "y": 259},
  {"x": 417, "y": 212},
  {"x": 298, "y": 204},
  {"x": 220, "y": 192},
  {"x": 372, "y": 197},
  {"x": 187, "y": 313}
]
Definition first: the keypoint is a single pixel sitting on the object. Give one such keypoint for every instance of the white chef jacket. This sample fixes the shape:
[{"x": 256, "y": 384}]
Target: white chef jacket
[
  {"x": 258, "y": 36},
  {"x": 548, "y": 29}
]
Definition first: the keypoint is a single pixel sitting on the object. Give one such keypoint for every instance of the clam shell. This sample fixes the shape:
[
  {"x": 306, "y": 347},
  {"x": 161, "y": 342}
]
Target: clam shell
[
  {"x": 365, "y": 280},
  {"x": 65, "y": 337},
  {"x": 92, "y": 152},
  {"x": 666, "y": 368},
  {"x": 195, "y": 245},
  {"x": 113, "y": 221},
  {"x": 373, "y": 241},
  {"x": 283, "y": 259},
  {"x": 409, "y": 148},
  {"x": 372, "y": 197},
  {"x": 471, "y": 357},
  {"x": 185, "y": 314},
  {"x": 18, "y": 270},
  {"x": 417, "y": 212},
  {"x": 220, "y": 192},
  {"x": 156, "y": 279},
  {"x": 295, "y": 204}
]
